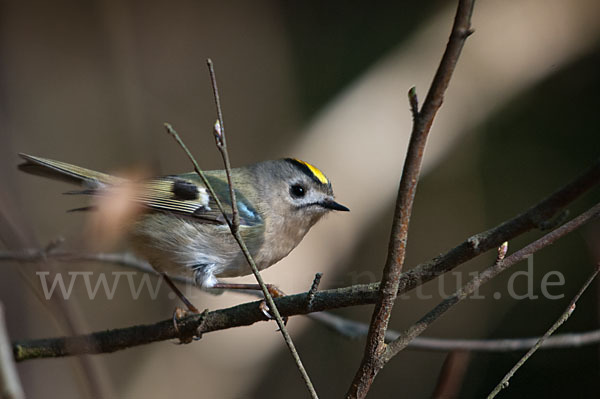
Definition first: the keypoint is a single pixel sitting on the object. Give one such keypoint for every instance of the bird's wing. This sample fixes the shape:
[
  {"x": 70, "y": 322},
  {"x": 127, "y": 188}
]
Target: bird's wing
[
  {"x": 181, "y": 194},
  {"x": 184, "y": 194}
]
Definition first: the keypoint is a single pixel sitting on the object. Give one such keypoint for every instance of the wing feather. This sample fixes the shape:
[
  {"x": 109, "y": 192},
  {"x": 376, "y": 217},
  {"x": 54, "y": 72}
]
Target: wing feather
[
  {"x": 182, "y": 194},
  {"x": 159, "y": 193}
]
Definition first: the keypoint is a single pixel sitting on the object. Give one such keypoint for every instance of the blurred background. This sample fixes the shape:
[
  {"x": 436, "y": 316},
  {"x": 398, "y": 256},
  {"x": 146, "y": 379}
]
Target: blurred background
[{"x": 92, "y": 82}]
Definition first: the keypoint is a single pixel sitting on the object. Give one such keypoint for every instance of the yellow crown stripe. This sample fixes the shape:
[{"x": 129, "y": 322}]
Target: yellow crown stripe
[{"x": 316, "y": 172}]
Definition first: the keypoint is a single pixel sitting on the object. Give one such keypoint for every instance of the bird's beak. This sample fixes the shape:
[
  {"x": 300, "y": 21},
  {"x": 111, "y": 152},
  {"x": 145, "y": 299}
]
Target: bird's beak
[{"x": 334, "y": 206}]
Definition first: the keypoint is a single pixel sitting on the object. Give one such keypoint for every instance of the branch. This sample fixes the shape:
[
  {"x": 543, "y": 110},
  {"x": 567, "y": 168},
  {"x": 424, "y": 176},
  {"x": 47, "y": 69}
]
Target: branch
[
  {"x": 249, "y": 313},
  {"x": 348, "y": 328},
  {"x": 563, "y": 317},
  {"x": 353, "y": 330},
  {"x": 10, "y": 386},
  {"x": 422, "y": 121},
  {"x": 501, "y": 264},
  {"x": 534, "y": 217},
  {"x": 221, "y": 142},
  {"x": 241, "y": 315}
]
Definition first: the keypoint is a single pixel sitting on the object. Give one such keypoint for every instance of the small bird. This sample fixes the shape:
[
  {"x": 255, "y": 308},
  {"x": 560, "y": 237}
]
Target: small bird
[{"x": 181, "y": 230}]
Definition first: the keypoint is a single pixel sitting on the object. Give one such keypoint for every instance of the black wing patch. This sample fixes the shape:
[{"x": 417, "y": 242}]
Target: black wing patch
[
  {"x": 172, "y": 194},
  {"x": 184, "y": 190}
]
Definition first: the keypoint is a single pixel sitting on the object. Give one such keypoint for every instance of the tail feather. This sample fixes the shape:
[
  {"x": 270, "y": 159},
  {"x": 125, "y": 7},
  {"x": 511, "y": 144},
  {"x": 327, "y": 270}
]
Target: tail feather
[
  {"x": 87, "y": 191},
  {"x": 66, "y": 172},
  {"x": 83, "y": 209}
]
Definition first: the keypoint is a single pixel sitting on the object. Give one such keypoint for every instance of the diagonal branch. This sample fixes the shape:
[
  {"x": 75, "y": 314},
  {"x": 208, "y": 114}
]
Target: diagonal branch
[
  {"x": 422, "y": 121},
  {"x": 348, "y": 328},
  {"x": 534, "y": 217},
  {"x": 197, "y": 169},
  {"x": 563, "y": 317},
  {"x": 221, "y": 142},
  {"x": 501, "y": 264}
]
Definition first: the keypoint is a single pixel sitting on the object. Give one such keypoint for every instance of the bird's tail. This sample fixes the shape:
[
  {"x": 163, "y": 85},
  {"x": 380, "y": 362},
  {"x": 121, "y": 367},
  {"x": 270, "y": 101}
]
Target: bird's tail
[{"x": 66, "y": 172}]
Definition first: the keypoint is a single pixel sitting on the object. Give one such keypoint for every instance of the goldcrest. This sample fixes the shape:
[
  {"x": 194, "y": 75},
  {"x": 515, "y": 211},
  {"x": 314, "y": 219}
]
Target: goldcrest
[{"x": 181, "y": 230}]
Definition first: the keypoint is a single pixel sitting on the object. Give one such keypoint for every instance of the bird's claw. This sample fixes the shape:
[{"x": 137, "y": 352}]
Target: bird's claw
[
  {"x": 264, "y": 308},
  {"x": 179, "y": 314}
]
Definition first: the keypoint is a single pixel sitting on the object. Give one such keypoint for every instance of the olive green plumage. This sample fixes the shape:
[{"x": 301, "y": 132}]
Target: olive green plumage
[{"x": 182, "y": 231}]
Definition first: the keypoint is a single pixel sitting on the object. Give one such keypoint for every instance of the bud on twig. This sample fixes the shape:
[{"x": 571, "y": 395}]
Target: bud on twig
[
  {"x": 218, "y": 132},
  {"x": 502, "y": 250}
]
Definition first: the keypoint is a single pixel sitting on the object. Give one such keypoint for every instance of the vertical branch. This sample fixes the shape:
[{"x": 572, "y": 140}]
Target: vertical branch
[
  {"x": 10, "y": 386},
  {"x": 422, "y": 121},
  {"x": 221, "y": 142}
]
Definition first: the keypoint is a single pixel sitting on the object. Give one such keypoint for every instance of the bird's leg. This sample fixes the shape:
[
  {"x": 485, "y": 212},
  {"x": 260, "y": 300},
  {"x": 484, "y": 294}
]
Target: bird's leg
[
  {"x": 273, "y": 290},
  {"x": 177, "y": 292},
  {"x": 179, "y": 313}
]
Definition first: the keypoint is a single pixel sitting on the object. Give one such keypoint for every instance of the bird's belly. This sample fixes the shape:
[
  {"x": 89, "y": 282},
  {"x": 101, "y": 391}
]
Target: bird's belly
[{"x": 180, "y": 246}]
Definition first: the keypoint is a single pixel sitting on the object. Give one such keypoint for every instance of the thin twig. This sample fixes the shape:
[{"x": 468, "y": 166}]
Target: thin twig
[
  {"x": 310, "y": 297},
  {"x": 353, "y": 330},
  {"x": 219, "y": 133},
  {"x": 197, "y": 169},
  {"x": 413, "y": 100},
  {"x": 216, "y": 95},
  {"x": 10, "y": 385},
  {"x": 416, "y": 329},
  {"x": 563, "y": 317},
  {"x": 221, "y": 142},
  {"x": 375, "y": 346}
]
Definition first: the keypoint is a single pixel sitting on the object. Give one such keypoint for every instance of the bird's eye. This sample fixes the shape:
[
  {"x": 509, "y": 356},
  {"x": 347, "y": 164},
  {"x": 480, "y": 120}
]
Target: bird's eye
[{"x": 297, "y": 191}]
